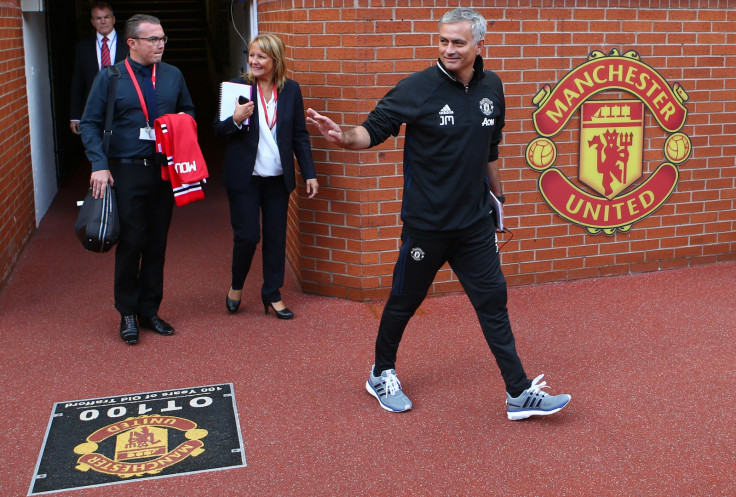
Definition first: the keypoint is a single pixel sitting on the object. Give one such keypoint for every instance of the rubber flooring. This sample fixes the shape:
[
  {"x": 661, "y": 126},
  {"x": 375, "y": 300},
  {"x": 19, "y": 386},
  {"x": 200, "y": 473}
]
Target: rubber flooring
[{"x": 648, "y": 359}]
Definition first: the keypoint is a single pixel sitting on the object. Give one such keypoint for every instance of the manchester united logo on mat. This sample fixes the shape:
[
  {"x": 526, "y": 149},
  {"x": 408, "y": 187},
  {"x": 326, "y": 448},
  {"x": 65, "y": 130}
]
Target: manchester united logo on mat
[{"x": 109, "y": 440}]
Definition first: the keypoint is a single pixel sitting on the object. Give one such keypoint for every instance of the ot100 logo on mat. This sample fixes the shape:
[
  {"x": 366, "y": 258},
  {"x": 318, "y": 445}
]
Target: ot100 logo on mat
[
  {"x": 616, "y": 191},
  {"x": 97, "y": 442}
]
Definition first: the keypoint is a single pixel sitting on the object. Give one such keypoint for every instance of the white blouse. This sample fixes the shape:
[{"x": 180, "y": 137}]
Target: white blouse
[{"x": 268, "y": 161}]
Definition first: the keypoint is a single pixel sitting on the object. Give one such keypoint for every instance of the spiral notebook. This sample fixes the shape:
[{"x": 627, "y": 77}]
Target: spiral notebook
[{"x": 229, "y": 93}]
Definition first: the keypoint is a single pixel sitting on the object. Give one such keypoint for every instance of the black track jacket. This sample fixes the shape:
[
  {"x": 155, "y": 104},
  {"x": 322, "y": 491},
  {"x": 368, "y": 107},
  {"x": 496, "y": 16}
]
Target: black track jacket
[{"x": 452, "y": 132}]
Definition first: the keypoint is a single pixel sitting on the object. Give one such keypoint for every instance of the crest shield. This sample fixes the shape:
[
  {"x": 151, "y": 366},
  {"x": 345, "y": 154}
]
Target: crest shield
[
  {"x": 142, "y": 442},
  {"x": 611, "y": 144}
]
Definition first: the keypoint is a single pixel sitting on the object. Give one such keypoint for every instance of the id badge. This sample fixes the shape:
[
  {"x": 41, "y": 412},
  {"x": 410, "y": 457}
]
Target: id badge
[{"x": 148, "y": 134}]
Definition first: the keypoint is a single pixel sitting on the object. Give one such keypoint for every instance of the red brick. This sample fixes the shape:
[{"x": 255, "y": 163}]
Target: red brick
[{"x": 360, "y": 61}]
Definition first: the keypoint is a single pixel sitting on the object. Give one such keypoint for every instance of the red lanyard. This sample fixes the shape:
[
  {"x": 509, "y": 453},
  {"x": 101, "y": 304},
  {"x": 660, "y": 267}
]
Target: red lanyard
[
  {"x": 138, "y": 88},
  {"x": 265, "y": 111}
]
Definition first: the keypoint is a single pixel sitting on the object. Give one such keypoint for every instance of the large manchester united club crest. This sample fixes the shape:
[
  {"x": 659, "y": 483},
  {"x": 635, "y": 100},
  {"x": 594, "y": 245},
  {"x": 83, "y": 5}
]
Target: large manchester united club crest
[{"x": 614, "y": 187}]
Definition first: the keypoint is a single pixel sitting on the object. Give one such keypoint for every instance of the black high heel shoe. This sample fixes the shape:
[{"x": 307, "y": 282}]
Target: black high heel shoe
[
  {"x": 232, "y": 305},
  {"x": 284, "y": 313}
]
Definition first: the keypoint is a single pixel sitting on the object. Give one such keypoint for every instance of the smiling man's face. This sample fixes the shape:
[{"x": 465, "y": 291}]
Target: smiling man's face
[{"x": 458, "y": 50}]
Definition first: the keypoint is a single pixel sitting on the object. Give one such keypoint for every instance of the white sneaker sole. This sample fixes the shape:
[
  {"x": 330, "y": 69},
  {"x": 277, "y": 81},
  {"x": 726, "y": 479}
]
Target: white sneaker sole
[
  {"x": 517, "y": 415},
  {"x": 371, "y": 391}
]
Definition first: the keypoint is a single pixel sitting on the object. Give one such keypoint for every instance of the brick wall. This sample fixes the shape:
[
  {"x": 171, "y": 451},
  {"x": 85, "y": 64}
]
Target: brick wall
[
  {"x": 17, "y": 217},
  {"x": 347, "y": 54}
]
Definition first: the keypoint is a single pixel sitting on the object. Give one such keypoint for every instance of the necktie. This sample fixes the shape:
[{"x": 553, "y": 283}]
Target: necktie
[
  {"x": 104, "y": 54},
  {"x": 149, "y": 93}
]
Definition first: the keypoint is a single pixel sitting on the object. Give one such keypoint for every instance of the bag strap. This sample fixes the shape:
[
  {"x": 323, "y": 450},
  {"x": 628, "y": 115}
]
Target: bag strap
[{"x": 114, "y": 73}]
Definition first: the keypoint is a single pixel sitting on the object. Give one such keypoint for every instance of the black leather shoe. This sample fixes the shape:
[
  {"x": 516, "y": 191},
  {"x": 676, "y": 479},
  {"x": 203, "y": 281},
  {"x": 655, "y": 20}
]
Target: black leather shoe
[
  {"x": 155, "y": 323},
  {"x": 129, "y": 329}
]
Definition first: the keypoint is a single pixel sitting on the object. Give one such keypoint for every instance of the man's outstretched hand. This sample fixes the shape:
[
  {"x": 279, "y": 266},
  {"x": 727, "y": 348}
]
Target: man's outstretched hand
[{"x": 327, "y": 127}]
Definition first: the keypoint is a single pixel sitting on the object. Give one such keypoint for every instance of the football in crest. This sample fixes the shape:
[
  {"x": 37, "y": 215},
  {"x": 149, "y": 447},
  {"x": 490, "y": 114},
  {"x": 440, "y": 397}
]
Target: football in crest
[
  {"x": 541, "y": 153},
  {"x": 677, "y": 148}
]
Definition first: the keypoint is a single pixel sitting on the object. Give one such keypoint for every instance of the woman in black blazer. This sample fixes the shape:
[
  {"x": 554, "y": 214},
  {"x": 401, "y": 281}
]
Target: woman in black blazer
[{"x": 259, "y": 172}]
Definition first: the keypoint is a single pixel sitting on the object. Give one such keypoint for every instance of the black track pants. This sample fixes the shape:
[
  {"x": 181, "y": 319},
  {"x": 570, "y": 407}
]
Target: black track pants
[{"x": 474, "y": 259}]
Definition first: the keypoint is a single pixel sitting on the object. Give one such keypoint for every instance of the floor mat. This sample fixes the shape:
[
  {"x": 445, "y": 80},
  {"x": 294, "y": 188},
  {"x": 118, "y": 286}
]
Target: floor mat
[{"x": 123, "y": 438}]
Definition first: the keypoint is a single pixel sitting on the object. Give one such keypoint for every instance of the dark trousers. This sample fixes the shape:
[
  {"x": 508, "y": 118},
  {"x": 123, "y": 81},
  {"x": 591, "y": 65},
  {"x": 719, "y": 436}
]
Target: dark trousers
[
  {"x": 475, "y": 260},
  {"x": 145, "y": 204},
  {"x": 266, "y": 197}
]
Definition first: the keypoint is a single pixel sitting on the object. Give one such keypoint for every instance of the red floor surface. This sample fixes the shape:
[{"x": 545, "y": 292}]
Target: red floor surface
[{"x": 649, "y": 361}]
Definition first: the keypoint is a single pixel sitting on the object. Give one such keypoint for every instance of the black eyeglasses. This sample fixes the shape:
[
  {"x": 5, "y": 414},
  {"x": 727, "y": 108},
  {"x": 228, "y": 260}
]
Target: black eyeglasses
[{"x": 153, "y": 40}]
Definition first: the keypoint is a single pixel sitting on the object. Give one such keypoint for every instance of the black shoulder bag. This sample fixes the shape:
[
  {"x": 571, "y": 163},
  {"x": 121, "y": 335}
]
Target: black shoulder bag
[{"x": 98, "y": 225}]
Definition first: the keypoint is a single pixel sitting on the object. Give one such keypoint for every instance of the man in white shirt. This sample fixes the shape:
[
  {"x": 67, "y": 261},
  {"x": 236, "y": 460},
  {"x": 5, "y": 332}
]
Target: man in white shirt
[{"x": 91, "y": 55}]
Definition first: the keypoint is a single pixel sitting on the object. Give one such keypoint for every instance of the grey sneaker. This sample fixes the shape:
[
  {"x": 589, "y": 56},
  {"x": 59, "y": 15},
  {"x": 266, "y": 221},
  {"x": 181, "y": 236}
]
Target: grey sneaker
[
  {"x": 534, "y": 402},
  {"x": 387, "y": 389}
]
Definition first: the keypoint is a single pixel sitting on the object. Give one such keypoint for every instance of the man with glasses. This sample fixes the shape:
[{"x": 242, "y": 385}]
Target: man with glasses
[
  {"x": 146, "y": 89},
  {"x": 92, "y": 54}
]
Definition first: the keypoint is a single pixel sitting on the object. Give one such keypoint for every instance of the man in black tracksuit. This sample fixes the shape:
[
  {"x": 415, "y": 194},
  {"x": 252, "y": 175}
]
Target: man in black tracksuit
[{"x": 454, "y": 113}]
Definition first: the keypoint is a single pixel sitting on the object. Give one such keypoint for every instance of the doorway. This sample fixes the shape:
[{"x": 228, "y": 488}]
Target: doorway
[{"x": 203, "y": 44}]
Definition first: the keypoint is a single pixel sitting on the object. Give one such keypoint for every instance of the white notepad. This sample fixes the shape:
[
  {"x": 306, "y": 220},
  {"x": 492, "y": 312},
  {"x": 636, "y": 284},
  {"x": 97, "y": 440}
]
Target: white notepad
[
  {"x": 497, "y": 212},
  {"x": 229, "y": 93}
]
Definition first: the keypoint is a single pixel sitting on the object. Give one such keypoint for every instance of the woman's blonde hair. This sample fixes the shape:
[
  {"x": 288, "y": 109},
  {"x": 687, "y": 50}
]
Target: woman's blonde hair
[{"x": 275, "y": 49}]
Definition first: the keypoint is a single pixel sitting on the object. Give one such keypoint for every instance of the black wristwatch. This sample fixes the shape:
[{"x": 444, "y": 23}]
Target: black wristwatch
[{"x": 501, "y": 198}]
